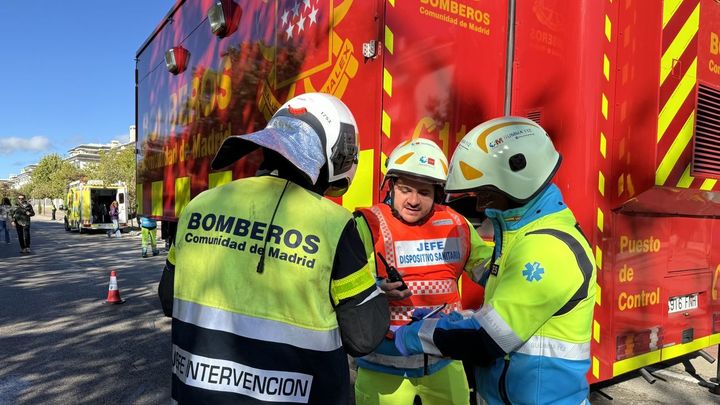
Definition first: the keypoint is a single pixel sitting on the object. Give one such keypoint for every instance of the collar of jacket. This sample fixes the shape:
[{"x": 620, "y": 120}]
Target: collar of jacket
[{"x": 547, "y": 202}]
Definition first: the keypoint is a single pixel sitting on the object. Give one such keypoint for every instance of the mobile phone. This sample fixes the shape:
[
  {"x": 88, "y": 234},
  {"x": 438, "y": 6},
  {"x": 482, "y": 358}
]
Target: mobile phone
[
  {"x": 434, "y": 311},
  {"x": 393, "y": 274}
]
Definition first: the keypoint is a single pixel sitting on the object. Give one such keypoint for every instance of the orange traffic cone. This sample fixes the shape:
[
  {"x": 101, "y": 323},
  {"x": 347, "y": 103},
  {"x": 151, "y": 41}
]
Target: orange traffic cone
[{"x": 113, "y": 290}]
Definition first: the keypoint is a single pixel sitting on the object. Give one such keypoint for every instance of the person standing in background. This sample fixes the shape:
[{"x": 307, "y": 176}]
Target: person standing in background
[
  {"x": 21, "y": 220},
  {"x": 148, "y": 228},
  {"x": 115, "y": 217},
  {"x": 5, "y": 218}
]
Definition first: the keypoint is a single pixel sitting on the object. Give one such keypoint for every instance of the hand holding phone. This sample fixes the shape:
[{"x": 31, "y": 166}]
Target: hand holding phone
[
  {"x": 429, "y": 314},
  {"x": 393, "y": 274}
]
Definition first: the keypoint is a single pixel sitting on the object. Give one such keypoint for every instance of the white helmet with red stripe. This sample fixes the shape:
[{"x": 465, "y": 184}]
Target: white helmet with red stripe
[
  {"x": 419, "y": 158},
  {"x": 512, "y": 155}
]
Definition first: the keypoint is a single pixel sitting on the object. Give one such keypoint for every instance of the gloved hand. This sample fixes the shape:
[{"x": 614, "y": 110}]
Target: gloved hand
[
  {"x": 420, "y": 313},
  {"x": 406, "y": 339}
]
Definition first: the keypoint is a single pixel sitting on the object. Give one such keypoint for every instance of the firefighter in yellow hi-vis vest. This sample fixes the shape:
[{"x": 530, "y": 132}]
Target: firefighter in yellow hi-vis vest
[
  {"x": 267, "y": 283},
  {"x": 530, "y": 341}
]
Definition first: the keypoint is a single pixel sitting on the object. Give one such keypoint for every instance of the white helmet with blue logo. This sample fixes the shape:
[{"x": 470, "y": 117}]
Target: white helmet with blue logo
[
  {"x": 511, "y": 155},
  {"x": 418, "y": 158}
]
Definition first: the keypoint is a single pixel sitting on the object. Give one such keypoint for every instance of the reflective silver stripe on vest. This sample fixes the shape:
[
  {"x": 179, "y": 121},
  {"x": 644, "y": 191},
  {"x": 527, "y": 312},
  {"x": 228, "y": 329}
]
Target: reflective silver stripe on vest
[
  {"x": 406, "y": 362},
  {"x": 497, "y": 328},
  {"x": 256, "y": 328},
  {"x": 557, "y": 349}
]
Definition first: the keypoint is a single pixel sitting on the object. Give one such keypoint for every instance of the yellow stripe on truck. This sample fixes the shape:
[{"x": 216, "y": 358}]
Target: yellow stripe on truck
[
  {"x": 361, "y": 190},
  {"x": 139, "y": 198},
  {"x": 634, "y": 363},
  {"x": 157, "y": 199},
  {"x": 182, "y": 194},
  {"x": 219, "y": 178}
]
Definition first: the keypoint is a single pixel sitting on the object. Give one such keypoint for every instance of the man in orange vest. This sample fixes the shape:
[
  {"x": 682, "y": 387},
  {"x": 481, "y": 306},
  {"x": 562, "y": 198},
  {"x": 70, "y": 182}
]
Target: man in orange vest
[{"x": 431, "y": 246}]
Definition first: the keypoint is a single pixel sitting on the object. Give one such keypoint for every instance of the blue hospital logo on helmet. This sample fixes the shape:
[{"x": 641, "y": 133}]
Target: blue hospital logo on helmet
[
  {"x": 533, "y": 271},
  {"x": 427, "y": 160}
]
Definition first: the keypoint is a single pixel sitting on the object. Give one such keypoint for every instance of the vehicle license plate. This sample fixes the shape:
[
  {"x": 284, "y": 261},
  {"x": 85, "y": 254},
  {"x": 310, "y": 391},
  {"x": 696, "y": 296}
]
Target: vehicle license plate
[{"x": 682, "y": 303}]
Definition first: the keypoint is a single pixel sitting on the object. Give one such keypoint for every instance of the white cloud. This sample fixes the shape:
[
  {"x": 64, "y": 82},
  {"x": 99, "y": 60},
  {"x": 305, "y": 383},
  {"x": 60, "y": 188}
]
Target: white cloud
[{"x": 32, "y": 144}]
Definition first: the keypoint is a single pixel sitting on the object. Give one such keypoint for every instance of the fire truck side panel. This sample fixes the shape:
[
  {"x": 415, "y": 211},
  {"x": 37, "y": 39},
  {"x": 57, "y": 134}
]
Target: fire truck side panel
[
  {"x": 232, "y": 85},
  {"x": 640, "y": 257},
  {"x": 633, "y": 70},
  {"x": 714, "y": 294},
  {"x": 556, "y": 81},
  {"x": 686, "y": 62},
  {"x": 442, "y": 80},
  {"x": 709, "y": 44},
  {"x": 445, "y": 78}
]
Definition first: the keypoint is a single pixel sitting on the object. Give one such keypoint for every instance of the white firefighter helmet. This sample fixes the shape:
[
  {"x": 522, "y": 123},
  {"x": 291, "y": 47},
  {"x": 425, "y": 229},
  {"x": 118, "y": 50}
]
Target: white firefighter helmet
[
  {"x": 314, "y": 132},
  {"x": 512, "y": 155},
  {"x": 419, "y": 158}
]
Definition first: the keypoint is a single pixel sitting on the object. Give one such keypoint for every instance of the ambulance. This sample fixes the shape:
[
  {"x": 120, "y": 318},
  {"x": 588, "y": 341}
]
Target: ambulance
[
  {"x": 629, "y": 91},
  {"x": 87, "y": 205}
]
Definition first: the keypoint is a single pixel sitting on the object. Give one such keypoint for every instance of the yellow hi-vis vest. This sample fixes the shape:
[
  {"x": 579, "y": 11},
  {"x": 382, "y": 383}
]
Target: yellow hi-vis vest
[{"x": 240, "y": 334}]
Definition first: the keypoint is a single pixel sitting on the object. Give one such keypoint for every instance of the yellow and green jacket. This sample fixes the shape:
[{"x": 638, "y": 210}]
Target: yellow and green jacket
[
  {"x": 530, "y": 341},
  {"x": 266, "y": 284}
]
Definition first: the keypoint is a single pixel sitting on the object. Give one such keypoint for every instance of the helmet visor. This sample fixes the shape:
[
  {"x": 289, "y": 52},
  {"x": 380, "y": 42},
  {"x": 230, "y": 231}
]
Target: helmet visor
[
  {"x": 452, "y": 197},
  {"x": 292, "y": 138}
]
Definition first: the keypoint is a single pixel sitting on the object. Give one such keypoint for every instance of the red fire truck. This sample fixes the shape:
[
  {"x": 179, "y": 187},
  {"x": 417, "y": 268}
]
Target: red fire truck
[{"x": 628, "y": 90}]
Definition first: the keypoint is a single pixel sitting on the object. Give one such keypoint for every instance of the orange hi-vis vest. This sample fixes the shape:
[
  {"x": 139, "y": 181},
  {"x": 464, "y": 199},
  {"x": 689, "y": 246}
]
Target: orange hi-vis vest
[{"x": 430, "y": 256}]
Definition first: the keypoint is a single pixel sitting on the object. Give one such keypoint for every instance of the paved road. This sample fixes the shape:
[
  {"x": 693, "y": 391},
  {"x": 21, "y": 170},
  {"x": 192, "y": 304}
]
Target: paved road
[
  {"x": 673, "y": 385},
  {"x": 61, "y": 344}
]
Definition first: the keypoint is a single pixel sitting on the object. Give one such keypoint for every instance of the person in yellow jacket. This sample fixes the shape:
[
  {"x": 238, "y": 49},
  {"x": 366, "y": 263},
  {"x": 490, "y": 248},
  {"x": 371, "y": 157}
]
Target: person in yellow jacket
[
  {"x": 530, "y": 341},
  {"x": 267, "y": 280},
  {"x": 431, "y": 245}
]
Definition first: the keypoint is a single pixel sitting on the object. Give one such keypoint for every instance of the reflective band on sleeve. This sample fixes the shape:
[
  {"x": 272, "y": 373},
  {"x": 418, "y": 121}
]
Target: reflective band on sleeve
[
  {"x": 497, "y": 328},
  {"x": 351, "y": 285},
  {"x": 557, "y": 349},
  {"x": 256, "y": 328},
  {"x": 227, "y": 376},
  {"x": 363, "y": 229},
  {"x": 426, "y": 332},
  {"x": 406, "y": 362}
]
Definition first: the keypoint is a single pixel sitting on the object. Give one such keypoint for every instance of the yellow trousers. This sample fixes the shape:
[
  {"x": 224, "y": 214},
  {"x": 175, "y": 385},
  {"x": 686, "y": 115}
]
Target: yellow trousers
[
  {"x": 148, "y": 236},
  {"x": 446, "y": 387}
]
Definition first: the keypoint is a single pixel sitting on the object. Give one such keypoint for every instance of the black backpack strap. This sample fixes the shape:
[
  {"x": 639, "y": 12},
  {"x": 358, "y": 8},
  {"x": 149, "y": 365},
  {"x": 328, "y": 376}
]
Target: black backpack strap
[{"x": 585, "y": 264}]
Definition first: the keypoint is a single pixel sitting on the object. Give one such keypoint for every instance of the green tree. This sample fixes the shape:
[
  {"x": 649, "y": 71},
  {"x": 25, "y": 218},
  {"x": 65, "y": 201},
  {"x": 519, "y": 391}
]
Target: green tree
[
  {"x": 117, "y": 165},
  {"x": 7, "y": 192},
  {"x": 51, "y": 177}
]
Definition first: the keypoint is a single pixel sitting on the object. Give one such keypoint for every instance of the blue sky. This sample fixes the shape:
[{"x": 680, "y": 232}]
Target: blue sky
[{"x": 67, "y": 74}]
